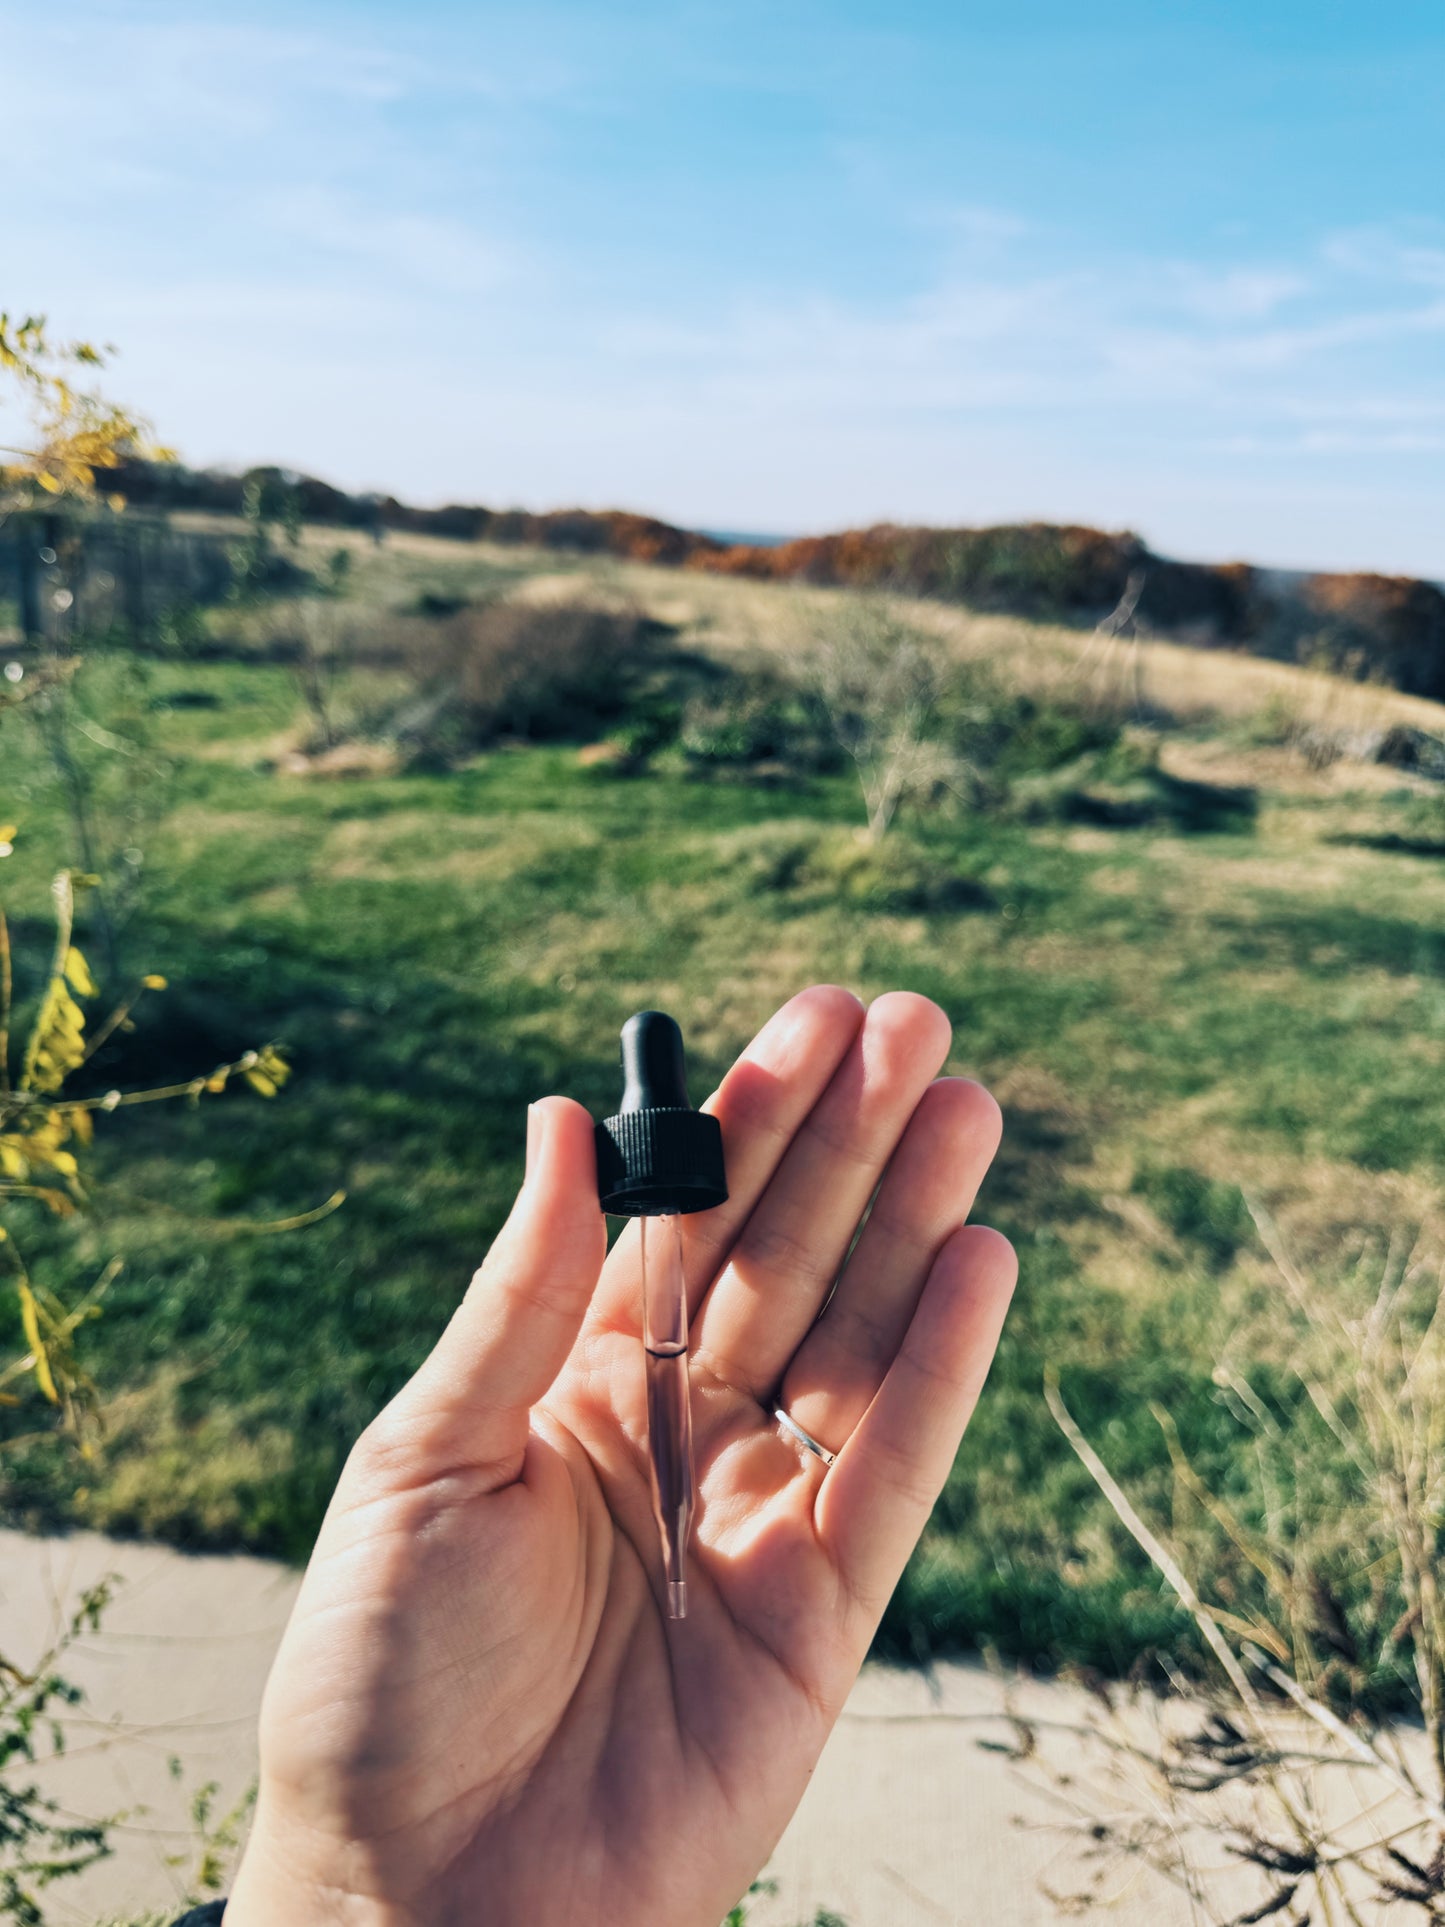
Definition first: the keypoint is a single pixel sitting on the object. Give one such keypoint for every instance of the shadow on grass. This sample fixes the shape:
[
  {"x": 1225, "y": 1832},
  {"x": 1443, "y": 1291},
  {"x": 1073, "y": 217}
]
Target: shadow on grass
[
  {"x": 1425, "y": 846},
  {"x": 1177, "y": 802}
]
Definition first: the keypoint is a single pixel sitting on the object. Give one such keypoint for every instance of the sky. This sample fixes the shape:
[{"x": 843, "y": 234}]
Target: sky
[{"x": 767, "y": 267}]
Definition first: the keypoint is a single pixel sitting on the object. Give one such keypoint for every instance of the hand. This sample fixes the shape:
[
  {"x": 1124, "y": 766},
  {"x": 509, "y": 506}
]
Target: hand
[{"x": 480, "y": 1715}]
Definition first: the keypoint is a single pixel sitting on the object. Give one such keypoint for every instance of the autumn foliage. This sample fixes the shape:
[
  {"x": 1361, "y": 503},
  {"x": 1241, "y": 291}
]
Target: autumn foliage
[{"x": 1386, "y": 628}]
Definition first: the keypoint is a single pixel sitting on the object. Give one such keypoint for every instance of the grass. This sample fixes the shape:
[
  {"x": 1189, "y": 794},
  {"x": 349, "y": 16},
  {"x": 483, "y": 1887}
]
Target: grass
[{"x": 1166, "y": 1003}]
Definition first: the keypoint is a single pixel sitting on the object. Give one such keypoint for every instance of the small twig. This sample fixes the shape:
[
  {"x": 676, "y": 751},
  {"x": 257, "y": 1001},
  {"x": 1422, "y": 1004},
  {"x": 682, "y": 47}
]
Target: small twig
[
  {"x": 13, "y": 1103},
  {"x": 113, "y": 1023},
  {"x": 1366, "y": 1754},
  {"x": 7, "y": 991},
  {"x": 241, "y": 1227}
]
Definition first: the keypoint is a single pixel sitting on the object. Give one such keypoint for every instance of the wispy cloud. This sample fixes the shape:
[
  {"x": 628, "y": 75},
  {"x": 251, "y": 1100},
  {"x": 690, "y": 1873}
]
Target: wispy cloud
[
  {"x": 420, "y": 252},
  {"x": 1264, "y": 340},
  {"x": 553, "y": 253}
]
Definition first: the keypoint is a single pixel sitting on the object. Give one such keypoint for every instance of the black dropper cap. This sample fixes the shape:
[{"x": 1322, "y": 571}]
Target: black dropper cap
[{"x": 657, "y": 1154}]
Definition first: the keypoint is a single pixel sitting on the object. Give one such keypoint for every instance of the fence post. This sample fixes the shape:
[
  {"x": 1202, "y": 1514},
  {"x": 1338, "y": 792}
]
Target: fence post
[{"x": 27, "y": 568}]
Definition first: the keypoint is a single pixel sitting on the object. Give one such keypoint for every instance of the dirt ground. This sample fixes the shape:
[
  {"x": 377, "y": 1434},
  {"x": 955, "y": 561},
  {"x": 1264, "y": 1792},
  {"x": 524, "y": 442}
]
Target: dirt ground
[{"x": 908, "y": 1818}]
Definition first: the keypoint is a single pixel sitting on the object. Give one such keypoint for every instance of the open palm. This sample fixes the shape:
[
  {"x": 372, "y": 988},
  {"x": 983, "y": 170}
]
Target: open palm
[{"x": 480, "y": 1713}]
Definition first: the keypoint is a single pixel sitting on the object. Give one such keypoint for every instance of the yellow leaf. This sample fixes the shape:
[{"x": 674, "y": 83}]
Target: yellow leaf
[
  {"x": 48, "y": 482},
  {"x": 116, "y": 503},
  {"x": 259, "y": 1081},
  {"x": 77, "y": 973},
  {"x": 30, "y": 1320},
  {"x": 9, "y": 832},
  {"x": 153, "y": 982}
]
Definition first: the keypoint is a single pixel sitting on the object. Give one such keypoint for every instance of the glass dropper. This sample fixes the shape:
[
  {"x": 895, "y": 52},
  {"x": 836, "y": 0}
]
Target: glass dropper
[
  {"x": 669, "y": 1406},
  {"x": 659, "y": 1159}
]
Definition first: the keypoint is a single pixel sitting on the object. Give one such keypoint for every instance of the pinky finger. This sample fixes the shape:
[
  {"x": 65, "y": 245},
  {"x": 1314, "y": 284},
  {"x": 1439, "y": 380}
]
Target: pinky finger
[{"x": 876, "y": 1499}]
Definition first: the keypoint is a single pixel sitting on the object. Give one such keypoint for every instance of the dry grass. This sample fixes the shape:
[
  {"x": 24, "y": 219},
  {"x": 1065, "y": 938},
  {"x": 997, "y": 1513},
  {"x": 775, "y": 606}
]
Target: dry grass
[
  {"x": 1288, "y": 1770},
  {"x": 737, "y": 617}
]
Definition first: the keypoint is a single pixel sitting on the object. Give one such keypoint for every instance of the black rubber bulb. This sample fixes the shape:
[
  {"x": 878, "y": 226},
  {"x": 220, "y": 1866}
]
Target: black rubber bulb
[
  {"x": 656, "y": 1154},
  {"x": 653, "y": 1071}
]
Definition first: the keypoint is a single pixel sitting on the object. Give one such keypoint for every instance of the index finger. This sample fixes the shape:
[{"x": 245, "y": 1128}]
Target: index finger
[{"x": 761, "y": 1105}]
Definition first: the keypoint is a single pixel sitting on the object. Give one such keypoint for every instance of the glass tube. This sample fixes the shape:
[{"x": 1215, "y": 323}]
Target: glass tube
[{"x": 669, "y": 1406}]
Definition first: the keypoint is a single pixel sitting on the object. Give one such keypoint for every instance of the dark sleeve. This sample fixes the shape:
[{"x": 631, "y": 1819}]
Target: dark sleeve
[{"x": 210, "y": 1915}]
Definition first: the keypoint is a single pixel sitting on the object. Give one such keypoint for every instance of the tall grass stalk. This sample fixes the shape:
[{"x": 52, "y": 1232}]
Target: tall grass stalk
[{"x": 1308, "y": 1782}]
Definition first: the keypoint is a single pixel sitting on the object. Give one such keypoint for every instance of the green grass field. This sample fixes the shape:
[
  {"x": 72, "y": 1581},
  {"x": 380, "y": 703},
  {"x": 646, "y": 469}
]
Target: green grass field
[{"x": 1253, "y": 992}]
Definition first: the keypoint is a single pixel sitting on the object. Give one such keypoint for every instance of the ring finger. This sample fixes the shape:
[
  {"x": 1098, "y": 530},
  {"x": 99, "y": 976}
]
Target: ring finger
[
  {"x": 789, "y": 1252},
  {"x": 925, "y": 1197}
]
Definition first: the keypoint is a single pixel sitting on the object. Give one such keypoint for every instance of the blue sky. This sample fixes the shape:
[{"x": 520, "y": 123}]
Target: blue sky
[{"x": 787, "y": 266}]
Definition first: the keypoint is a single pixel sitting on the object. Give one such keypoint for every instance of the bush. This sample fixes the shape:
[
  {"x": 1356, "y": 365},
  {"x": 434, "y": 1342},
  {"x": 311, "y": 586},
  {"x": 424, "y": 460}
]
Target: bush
[
  {"x": 543, "y": 673},
  {"x": 892, "y": 876},
  {"x": 653, "y": 724},
  {"x": 503, "y": 669},
  {"x": 1025, "y": 735},
  {"x": 757, "y": 717}
]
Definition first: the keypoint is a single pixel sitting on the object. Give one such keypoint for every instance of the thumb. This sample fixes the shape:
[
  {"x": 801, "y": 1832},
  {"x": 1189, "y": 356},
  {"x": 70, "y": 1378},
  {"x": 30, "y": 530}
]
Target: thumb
[{"x": 510, "y": 1336}]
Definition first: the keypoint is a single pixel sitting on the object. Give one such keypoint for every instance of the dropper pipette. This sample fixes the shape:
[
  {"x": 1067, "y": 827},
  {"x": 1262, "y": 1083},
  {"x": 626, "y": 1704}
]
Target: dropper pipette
[
  {"x": 658, "y": 1159},
  {"x": 669, "y": 1405}
]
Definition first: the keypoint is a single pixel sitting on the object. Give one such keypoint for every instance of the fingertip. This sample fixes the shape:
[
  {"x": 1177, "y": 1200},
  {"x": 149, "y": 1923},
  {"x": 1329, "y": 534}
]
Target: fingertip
[
  {"x": 808, "y": 1034},
  {"x": 834, "y": 999},
  {"x": 924, "y": 1021},
  {"x": 986, "y": 1259},
  {"x": 820, "y": 1011},
  {"x": 987, "y": 1117},
  {"x": 968, "y": 1109},
  {"x": 561, "y": 1154}
]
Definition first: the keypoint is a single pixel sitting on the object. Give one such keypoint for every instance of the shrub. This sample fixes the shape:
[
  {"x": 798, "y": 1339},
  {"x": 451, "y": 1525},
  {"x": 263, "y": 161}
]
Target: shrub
[
  {"x": 521, "y": 672},
  {"x": 540, "y": 673},
  {"x": 892, "y": 876},
  {"x": 653, "y": 723},
  {"x": 757, "y": 717},
  {"x": 880, "y": 684},
  {"x": 478, "y": 673},
  {"x": 1018, "y": 736}
]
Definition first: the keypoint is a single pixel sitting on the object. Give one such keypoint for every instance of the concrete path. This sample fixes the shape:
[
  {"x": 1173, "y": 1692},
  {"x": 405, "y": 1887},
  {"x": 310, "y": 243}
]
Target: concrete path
[{"x": 908, "y": 1819}]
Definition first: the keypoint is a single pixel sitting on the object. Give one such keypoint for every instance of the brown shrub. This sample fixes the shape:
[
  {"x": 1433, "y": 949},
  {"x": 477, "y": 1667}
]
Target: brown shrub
[
  {"x": 509, "y": 669},
  {"x": 1391, "y": 628}
]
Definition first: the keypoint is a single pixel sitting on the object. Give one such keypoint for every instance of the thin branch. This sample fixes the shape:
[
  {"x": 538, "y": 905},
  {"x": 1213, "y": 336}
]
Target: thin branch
[
  {"x": 1366, "y": 1754},
  {"x": 16, "y": 1103},
  {"x": 7, "y": 992}
]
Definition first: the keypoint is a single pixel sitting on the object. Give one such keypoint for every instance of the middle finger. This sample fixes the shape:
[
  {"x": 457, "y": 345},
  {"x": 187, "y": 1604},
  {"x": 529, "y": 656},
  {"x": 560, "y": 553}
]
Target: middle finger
[{"x": 790, "y": 1250}]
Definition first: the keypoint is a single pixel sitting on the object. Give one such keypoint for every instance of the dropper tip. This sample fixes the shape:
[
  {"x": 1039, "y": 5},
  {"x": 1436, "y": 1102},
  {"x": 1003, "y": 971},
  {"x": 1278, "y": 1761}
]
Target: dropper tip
[{"x": 677, "y": 1599}]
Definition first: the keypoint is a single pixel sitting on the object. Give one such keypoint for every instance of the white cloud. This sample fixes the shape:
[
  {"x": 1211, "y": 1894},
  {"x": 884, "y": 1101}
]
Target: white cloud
[
  {"x": 1126, "y": 333},
  {"x": 417, "y": 251}
]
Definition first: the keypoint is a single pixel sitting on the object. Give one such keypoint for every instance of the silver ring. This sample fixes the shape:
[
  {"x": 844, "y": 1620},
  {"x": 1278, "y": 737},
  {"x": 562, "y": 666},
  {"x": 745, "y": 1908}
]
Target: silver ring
[{"x": 804, "y": 1439}]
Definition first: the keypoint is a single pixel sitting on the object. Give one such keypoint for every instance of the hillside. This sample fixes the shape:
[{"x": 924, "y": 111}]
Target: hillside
[
  {"x": 1387, "y": 629},
  {"x": 1206, "y": 951}
]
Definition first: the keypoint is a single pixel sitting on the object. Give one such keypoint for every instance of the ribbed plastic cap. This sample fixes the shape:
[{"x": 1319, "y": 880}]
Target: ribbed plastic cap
[{"x": 657, "y": 1154}]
